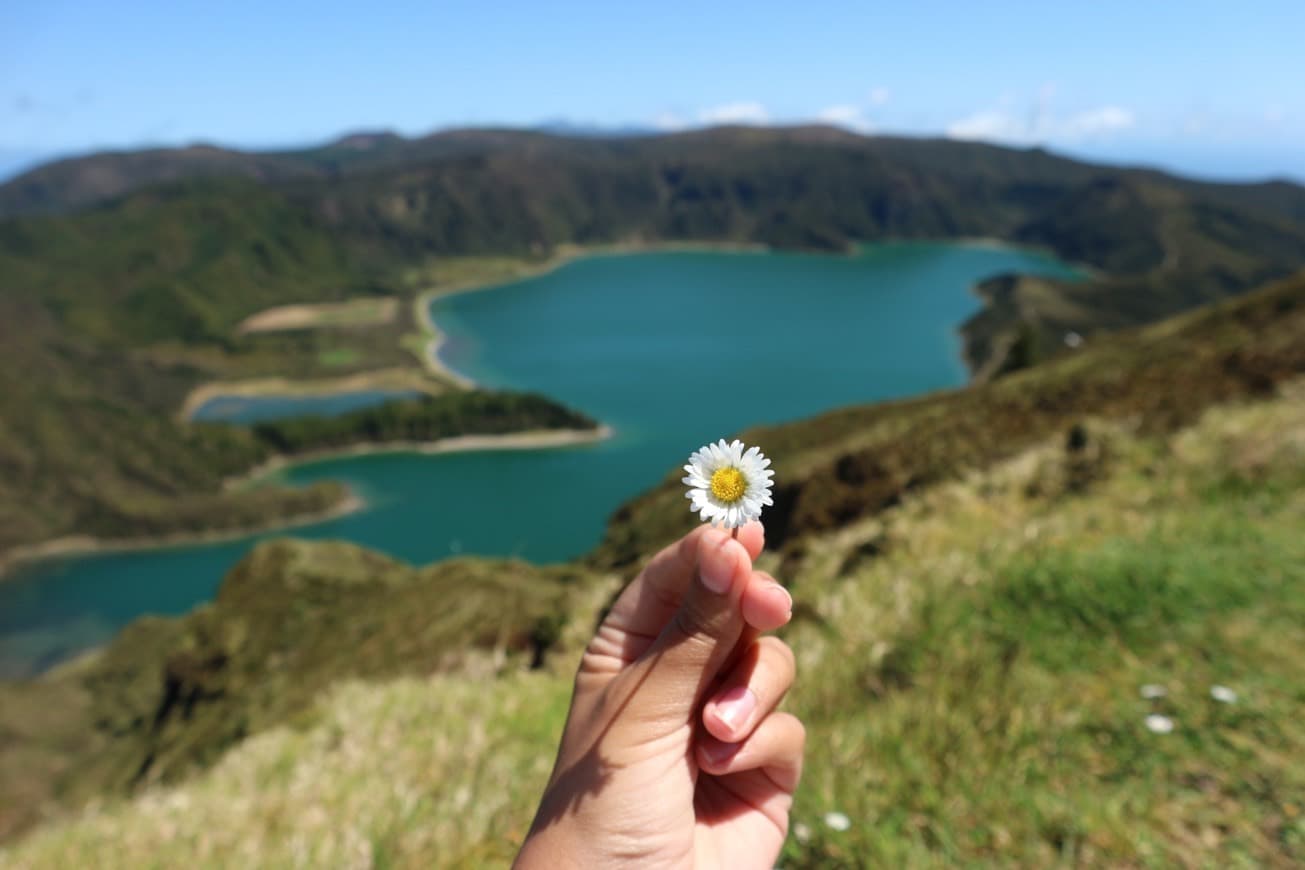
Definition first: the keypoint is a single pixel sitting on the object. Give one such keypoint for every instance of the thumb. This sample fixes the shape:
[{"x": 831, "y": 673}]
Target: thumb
[{"x": 672, "y": 676}]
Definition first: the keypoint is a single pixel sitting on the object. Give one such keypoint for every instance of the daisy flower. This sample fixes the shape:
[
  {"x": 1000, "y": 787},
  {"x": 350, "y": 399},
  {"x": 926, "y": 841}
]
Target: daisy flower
[
  {"x": 838, "y": 821},
  {"x": 1153, "y": 691},
  {"x": 728, "y": 484},
  {"x": 1223, "y": 694},
  {"x": 1157, "y": 724}
]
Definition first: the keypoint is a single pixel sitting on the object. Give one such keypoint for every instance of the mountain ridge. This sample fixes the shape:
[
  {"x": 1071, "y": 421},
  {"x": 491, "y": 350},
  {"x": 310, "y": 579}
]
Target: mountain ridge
[{"x": 89, "y": 179}]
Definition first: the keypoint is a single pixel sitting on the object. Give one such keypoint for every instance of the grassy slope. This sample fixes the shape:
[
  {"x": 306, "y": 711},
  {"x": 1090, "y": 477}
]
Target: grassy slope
[
  {"x": 1009, "y": 630},
  {"x": 168, "y": 696},
  {"x": 970, "y": 663}
]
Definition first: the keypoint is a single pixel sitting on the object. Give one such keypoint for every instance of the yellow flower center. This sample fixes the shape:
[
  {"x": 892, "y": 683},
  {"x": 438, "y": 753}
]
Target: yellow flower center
[{"x": 728, "y": 485}]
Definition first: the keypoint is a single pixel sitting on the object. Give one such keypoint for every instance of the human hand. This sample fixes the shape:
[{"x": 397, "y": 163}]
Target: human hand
[{"x": 673, "y": 754}]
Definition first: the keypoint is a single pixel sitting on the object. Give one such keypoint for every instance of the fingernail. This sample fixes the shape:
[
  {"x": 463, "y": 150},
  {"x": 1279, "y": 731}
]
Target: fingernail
[
  {"x": 779, "y": 593},
  {"x": 735, "y": 706},
  {"x": 717, "y": 563}
]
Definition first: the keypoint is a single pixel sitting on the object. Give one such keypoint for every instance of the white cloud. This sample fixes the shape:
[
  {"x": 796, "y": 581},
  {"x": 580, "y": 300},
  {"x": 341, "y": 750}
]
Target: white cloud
[
  {"x": 992, "y": 126},
  {"x": 880, "y": 95},
  {"x": 849, "y": 116},
  {"x": 1042, "y": 125},
  {"x": 746, "y": 112},
  {"x": 1095, "y": 122},
  {"x": 669, "y": 121}
]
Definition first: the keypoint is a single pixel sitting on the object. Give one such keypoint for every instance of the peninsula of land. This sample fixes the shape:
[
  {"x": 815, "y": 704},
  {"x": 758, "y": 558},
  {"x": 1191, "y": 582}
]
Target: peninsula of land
[{"x": 350, "y": 502}]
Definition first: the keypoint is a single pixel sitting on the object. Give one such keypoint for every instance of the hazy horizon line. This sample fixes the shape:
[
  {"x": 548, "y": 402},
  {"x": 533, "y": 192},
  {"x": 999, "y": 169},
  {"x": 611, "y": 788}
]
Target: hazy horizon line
[{"x": 17, "y": 161}]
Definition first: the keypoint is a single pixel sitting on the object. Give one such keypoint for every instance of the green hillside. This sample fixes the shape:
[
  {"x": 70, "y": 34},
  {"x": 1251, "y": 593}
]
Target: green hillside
[
  {"x": 124, "y": 276},
  {"x": 172, "y": 695},
  {"x": 1174, "y": 242},
  {"x": 110, "y": 318},
  {"x": 976, "y": 617}
]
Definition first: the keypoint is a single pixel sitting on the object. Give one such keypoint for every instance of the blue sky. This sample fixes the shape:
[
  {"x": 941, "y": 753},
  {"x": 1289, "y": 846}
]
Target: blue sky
[{"x": 1216, "y": 89}]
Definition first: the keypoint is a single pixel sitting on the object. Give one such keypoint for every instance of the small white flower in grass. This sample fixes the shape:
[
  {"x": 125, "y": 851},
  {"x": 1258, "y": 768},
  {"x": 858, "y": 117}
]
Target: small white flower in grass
[
  {"x": 801, "y": 832},
  {"x": 1223, "y": 694},
  {"x": 1157, "y": 724},
  {"x": 1152, "y": 691},
  {"x": 838, "y": 821},
  {"x": 728, "y": 483}
]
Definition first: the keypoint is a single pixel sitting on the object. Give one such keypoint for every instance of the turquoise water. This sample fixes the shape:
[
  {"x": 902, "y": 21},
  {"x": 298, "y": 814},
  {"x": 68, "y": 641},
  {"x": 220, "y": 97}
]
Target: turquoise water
[
  {"x": 671, "y": 349},
  {"x": 257, "y": 409}
]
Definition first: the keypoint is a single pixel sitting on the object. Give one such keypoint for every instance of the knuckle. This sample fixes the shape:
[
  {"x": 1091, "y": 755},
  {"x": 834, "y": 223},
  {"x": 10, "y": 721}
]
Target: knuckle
[
  {"x": 781, "y": 657},
  {"x": 685, "y": 550},
  {"x": 662, "y": 596},
  {"x": 696, "y": 626}
]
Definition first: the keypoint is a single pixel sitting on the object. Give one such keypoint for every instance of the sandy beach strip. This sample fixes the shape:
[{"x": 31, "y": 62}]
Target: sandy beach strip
[
  {"x": 396, "y": 378},
  {"x": 351, "y": 313},
  {"x": 533, "y": 439},
  {"x": 85, "y": 545}
]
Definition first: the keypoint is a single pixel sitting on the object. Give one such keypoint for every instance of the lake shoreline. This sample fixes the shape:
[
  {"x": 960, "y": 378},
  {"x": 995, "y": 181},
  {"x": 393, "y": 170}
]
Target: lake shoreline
[
  {"x": 86, "y": 545},
  {"x": 983, "y": 365},
  {"x": 395, "y": 378},
  {"x": 435, "y": 337},
  {"x": 531, "y": 439},
  {"x": 435, "y": 367}
]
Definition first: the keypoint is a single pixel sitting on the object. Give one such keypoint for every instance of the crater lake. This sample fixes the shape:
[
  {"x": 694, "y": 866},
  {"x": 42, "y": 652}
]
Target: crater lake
[{"x": 669, "y": 349}]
